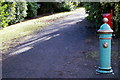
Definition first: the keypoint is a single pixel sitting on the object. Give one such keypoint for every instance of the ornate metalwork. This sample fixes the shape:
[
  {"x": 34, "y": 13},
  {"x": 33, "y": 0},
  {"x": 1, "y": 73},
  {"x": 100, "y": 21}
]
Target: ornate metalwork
[{"x": 105, "y": 45}]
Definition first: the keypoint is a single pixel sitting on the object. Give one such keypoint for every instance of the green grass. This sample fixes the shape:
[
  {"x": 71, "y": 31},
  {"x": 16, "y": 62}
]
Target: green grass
[{"x": 8, "y": 34}]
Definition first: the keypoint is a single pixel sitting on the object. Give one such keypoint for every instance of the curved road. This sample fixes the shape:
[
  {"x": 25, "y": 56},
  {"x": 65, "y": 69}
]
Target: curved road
[{"x": 57, "y": 51}]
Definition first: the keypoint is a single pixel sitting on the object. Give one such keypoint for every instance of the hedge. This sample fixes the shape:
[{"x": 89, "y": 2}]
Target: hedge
[
  {"x": 4, "y": 20},
  {"x": 12, "y": 12},
  {"x": 53, "y": 7},
  {"x": 32, "y": 9},
  {"x": 97, "y": 9},
  {"x": 21, "y": 11}
]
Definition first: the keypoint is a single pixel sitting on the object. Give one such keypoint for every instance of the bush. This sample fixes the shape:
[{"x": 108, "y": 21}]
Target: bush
[
  {"x": 12, "y": 12},
  {"x": 68, "y": 6},
  {"x": 21, "y": 12},
  {"x": 32, "y": 9},
  {"x": 47, "y": 7},
  {"x": 51, "y": 7},
  {"x": 3, "y": 19},
  {"x": 117, "y": 19},
  {"x": 96, "y": 11}
]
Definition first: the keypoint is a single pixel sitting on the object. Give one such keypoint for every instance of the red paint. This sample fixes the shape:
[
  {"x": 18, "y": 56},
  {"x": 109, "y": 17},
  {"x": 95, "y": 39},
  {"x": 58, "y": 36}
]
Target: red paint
[{"x": 110, "y": 20}]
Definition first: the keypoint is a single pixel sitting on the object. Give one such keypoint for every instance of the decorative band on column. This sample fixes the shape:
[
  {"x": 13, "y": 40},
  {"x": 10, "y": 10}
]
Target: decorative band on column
[
  {"x": 105, "y": 38},
  {"x": 105, "y": 69},
  {"x": 105, "y": 31}
]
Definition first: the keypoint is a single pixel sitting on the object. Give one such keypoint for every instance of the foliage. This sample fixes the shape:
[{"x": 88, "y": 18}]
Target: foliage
[
  {"x": 51, "y": 7},
  {"x": 68, "y": 6},
  {"x": 96, "y": 11},
  {"x": 47, "y": 7},
  {"x": 9, "y": 35},
  {"x": 12, "y": 12},
  {"x": 21, "y": 12},
  {"x": 32, "y": 9},
  {"x": 3, "y": 19},
  {"x": 117, "y": 18}
]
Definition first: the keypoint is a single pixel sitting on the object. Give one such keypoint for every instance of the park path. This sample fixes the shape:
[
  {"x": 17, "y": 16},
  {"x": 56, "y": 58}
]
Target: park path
[{"x": 57, "y": 51}]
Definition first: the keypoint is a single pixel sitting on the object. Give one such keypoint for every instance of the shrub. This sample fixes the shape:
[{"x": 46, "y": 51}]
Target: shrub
[
  {"x": 3, "y": 19},
  {"x": 21, "y": 12},
  {"x": 96, "y": 11},
  {"x": 12, "y": 12},
  {"x": 47, "y": 7},
  {"x": 32, "y": 9},
  {"x": 68, "y": 6},
  {"x": 51, "y": 7},
  {"x": 117, "y": 19}
]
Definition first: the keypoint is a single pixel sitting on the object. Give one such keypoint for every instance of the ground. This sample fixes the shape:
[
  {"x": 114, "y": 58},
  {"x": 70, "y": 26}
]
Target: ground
[{"x": 66, "y": 49}]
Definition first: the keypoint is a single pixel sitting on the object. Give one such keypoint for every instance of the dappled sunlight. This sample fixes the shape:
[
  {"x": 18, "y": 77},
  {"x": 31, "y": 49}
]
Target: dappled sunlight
[
  {"x": 47, "y": 38},
  {"x": 76, "y": 20},
  {"x": 73, "y": 22},
  {"x": 51, "y": 31},
  {"x": 20, "y": 51},
  {"x": 61, "y": 45},
  {"x": 44, "y": 38},
  {"x": 77, "y": 17},
  {"x": 27, "y": 47},
  {"x": 25, "y": 28}
]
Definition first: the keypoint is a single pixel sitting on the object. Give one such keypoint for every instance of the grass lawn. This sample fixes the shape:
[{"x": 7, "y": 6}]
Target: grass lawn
[{"x": 16, "y": 31}]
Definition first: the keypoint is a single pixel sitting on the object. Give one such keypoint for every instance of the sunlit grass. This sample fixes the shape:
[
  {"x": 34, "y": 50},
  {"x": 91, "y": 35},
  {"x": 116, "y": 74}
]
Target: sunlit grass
[{"x": 27, "y": 27}]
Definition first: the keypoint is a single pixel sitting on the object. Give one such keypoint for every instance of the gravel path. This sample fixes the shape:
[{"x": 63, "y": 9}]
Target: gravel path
[{"x": 57, "y": 51}]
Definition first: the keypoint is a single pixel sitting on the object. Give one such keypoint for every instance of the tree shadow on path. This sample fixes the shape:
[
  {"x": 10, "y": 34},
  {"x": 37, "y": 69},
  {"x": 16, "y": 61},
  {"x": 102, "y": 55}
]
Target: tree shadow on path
[{"x": 57, "y": 51}]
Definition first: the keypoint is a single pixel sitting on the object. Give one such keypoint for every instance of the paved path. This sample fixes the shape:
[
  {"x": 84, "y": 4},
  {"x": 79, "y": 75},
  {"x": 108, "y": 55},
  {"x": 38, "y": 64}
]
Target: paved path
[{"x": 58, "y": 51}]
